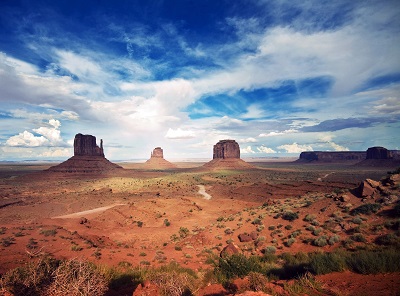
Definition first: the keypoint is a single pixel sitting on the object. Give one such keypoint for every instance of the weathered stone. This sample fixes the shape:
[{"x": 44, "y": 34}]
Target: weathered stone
[
  {"x": 253, "y": 235},
  {"x": 244, "y": 237},
  {"x": 378, "y": 153},
  {"x": 365, "y": 190},
  {"x": 157, "y": 153},
  {"x": 229, "y": 250},
  {"x": 85, "y": 145},
  {"x": 332, "y": 156},
  {"x": 344, "y": 198},
  {"x": 226, "y": 149},
  {"x": 372, "y": 183}
]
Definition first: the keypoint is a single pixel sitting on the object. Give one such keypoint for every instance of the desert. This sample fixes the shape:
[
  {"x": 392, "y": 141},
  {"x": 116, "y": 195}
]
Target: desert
[{"x": 218, "y": 228}]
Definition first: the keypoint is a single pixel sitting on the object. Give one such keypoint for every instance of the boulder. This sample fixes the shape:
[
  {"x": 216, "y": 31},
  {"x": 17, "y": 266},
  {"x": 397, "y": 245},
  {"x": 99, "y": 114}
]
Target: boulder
[
  {"x": 365, "y": 190},
  {"x": 244, "y": 237},
  {"x": 229, "y": 250}
]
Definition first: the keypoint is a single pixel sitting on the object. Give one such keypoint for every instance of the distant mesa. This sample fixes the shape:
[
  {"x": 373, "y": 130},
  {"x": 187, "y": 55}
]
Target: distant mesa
[
  {"x": 88, "y": 158},
  {"x": 226, "y": 154},
  {"x": 374, "y": 156},
  {"x": 157, "y": 161}
]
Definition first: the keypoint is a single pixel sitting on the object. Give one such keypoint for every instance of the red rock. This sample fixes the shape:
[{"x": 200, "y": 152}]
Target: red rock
[
  {"x": 157, "y": 161},
  {"x": 244, "y": 237},
  {"x": 226, "y": 149},
  {"x": 378, "y": 153},
  {"x": 229, "y": 250},
  {"x": 365, "y": 190},
  {"x": 85, "y": 145}
]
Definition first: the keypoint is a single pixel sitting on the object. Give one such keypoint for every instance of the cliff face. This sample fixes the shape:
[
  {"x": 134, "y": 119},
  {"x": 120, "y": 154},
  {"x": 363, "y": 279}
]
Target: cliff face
[
  {"x": 333, "y": 156},
  {"x": 157, "y": 161},
  {"x": 226, "y": 149},
  {"x": 157, "y": 153},
  {"x": 378, "y": 153},
  {"x": 85, "y": 145}
]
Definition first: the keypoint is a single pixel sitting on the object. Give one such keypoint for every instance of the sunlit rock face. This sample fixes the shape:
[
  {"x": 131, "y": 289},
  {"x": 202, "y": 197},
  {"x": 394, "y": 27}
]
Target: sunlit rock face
[
  {"x": 85, "y": 145},
  {"x": 157, "y": 161},
  {"x": 157, "y": 153},
  {"x": 226, "y": 149}
]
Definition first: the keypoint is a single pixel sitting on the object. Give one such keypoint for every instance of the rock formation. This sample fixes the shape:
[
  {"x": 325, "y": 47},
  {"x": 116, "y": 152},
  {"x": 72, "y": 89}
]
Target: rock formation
[
  {"x": 226, "y": 154},
  {"x": 85, "y": 145},
  {"x": 157, "y": 161},
  {"x": 335, "y": 156},
  {"x": 88, "y": 158},
  {"x": 378, "y": 153},
  {"x": 226, "y": 149}
]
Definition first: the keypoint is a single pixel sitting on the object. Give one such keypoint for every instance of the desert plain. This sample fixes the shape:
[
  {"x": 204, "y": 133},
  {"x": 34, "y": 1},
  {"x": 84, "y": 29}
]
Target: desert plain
[{"x": 146, "y": 218}]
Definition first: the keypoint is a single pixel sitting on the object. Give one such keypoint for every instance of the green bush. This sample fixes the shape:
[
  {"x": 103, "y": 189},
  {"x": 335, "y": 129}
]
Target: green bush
[
  {"x": 369, "y": 262},
  {"x": 290, "y": 242},
  {"x": 320, "y": 241},
  {"x": 237, "y": 265},
  {"x": 389, "y": 239},
  {"x": 366, "y": 209},
  {"x": 290, "y": 216},
  {"x": 333, "y": 239},
  {"x": 323, "y": 263}
]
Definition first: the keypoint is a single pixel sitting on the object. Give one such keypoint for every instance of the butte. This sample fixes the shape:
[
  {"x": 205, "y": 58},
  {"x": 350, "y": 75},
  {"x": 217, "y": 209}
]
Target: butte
[
  {"x": 157, "y": 161},
  {"x": 88, "y": 158},
  {"x": 226, "y": 155}
]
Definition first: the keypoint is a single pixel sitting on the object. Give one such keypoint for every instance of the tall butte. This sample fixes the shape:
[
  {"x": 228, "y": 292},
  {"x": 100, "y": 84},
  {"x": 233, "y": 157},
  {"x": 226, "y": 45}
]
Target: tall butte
[
  {"x": 157, "y": 161},
  {"x": 226, "y": 154},
  {"x": 88, "y": 158}
]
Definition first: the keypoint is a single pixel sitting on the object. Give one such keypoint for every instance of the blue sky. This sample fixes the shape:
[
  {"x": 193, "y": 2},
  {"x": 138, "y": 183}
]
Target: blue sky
[{"x": 278, "y": 76}]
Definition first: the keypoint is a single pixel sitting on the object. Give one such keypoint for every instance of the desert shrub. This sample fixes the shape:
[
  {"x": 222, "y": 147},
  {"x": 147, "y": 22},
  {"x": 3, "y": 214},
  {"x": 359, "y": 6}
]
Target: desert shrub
[
  {"x": 256, "y": 221},
  {"x": 370, "y": 262},
  {"x": 31, "y": 279},
  {"x": 123, "y": 276},
  {"x": 77, "y": 278},
  {"x": 290, "y": 216},
  {"x": 166, "y": 222},
  {"x": 48, "y": 232},
  {"x": 237, "y": 265},
  {"x": 396, "y": 210},
  {"x": 366, "y": 209},
  {"x": 320, "y": 241},
  {"x": 288, "y": 227},
  {"x": 270, "y": 250},
  {"x": 290, "y": 242},
  {"x": 357, "y": 220},
  {"x": 323, "y": 263},
  {"x": 257, "y": 282},
  {"x": 333, "y": 239},
  {"x": 317, "y": 231},
  {"x": 183, "y": 232},
  {"x": 174, "y": 280},
  {"x": 358, "y": 237},
  {"x": 305, "y": 284},
  {"x": 228, "y": 230},
  {"x": 389, "y": 239},
  {"x": 139, "y": 223},
  {"x": 271, "y": 227},
  {"x": 309, "y": 217},
  {"x": 7, "y": 241}
]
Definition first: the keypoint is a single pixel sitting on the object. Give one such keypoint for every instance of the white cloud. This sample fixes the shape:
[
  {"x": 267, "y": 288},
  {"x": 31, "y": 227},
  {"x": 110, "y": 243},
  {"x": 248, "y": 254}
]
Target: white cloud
[
  {"x": 247, "y": 150},
  {"x": 49, "y": 136},
  {"x": 272, "y": 134},
  {"x": 179, "y": 134},
  {"x": 64, "y": 152},
  {"x": 247, "y": 140},
  {"x": 387, "y": 106},
  {"x": 295, "y": 148},
  {"x": 27, "y": 139},
  {"x": 263, "y": 149}
]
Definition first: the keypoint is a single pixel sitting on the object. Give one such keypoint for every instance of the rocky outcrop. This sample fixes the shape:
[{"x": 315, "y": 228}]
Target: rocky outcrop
[
  {"x": 85, "y": 145},
  {"x": 226, "y": 149},
  {"x": 378, "y": 153},
  {"x": 226, "y": 155},
  {"x": 334, "y": 156},
  {"x": 157, "y": 161},
  {"x": 88, "y": 158}
]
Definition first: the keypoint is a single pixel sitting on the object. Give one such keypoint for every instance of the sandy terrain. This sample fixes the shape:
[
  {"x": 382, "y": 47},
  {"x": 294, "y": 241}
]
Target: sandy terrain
[{"x": 150, "y": 218}]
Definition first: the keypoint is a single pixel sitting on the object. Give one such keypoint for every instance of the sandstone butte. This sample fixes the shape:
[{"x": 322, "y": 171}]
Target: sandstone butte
[
  {"x": 226, "y": 154},
  {"x": 157, "y": 161},
  {"x": 88, "y": 158}
]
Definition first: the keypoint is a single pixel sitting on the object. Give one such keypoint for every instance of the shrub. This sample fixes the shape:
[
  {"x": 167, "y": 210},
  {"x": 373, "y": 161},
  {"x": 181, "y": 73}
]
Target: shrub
[
  {"x": 333, "y": 239},
  {"x": 323, "y": 263},
  {"x": 358, "y": 237},
  {"x": 369, "y": 262},
  {"x": 48, "y": 232},
  {"x": 290, "y": 242},
  {"x": 288, "y": 227},
  {"x": 309, "y": 217},
  {"x": 237, "y": 265},
  {"x": 257, "y": 282},
  {"x": 271, "y": 227},
  {"x": 257, "y": 221},
  {"x": 320, "y": 241},
  {"x": 389, "y": 239},
  {"x": 166, "y": 222},
  {"x": 366, "y": 209},
  {"x": 77, "y": 278},
  {"x": 290, "y": 216},
  {"x": 270, "y": 250},
  {"x": 357, "y": 220},
  {"x": 183, "y": 232}
]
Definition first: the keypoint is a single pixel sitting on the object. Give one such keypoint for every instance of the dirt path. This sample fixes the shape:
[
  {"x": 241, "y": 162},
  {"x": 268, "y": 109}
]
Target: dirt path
[
  {"x": 202, "y": 191},
  {"x": 320, "y": 179},
  {"x": 80, "y": 214}
]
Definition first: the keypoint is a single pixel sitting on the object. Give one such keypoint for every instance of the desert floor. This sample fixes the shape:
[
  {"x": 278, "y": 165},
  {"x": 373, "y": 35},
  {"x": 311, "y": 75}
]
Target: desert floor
[{"x": 150, "y": 217}]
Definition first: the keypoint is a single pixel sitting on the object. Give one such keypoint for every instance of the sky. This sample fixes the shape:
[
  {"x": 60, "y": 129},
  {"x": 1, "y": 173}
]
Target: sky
[{"x": 278, "y": 76}]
